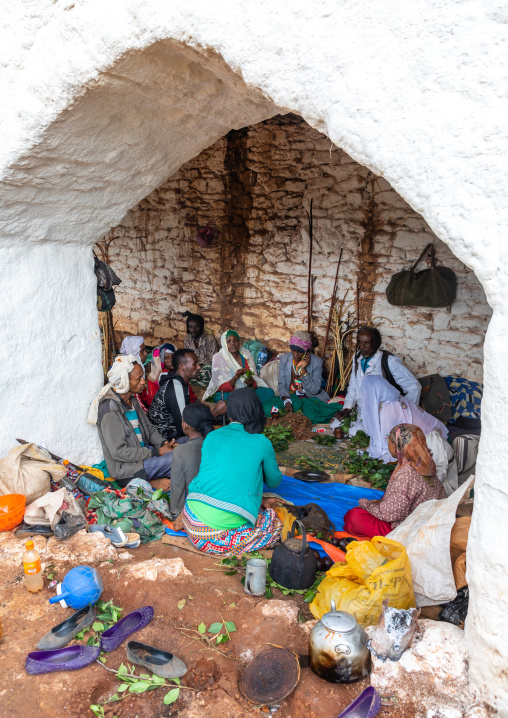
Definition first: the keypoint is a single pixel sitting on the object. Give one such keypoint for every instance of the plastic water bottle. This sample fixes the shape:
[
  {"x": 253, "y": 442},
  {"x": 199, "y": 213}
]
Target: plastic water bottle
[
  {"x": 32, "y": 568},
  {"x": 261, "y": 359}
]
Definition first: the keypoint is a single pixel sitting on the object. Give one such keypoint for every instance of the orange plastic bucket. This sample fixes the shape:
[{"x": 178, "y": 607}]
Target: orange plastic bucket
[{"x": 15, "y": 505}]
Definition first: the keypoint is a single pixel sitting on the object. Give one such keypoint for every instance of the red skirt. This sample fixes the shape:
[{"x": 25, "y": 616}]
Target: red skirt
[{"x": 359, "y": 522}]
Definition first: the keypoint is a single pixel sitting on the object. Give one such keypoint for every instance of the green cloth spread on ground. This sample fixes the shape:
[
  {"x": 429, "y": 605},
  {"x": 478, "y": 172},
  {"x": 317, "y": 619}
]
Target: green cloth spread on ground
[
  {"x": 319, "y": 412},
  {"x": 216, "y": 518}
]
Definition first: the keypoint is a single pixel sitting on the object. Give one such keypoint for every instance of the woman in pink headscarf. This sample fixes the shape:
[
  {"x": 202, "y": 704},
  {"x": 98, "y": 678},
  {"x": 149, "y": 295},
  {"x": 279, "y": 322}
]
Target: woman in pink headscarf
[{"x": 300, "y": 372}]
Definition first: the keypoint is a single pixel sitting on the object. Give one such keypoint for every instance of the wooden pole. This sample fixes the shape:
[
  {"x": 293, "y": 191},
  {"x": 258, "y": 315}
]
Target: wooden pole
[
  {"x": 332, "y": 305},
  {"x": 309, "y": 300}
]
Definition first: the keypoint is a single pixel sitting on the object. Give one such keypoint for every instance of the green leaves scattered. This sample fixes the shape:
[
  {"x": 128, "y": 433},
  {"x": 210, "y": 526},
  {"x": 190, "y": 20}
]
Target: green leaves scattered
[
  {"x": 107, "y": 615},
  {"x": 202, "y": 628},
  {"x": 181, "y": 604},
  {"x": 324, "y": 439},
  {"x": 279, "y": 435},
  {"x": 360, "y": 440},
  {"x": 171, "y": 696},
  {"x": 374, "y": 471},
  {"x": 215, "y": 628}
]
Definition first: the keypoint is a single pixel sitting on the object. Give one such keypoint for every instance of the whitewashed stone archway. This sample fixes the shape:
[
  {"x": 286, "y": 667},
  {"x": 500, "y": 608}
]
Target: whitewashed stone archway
[{"x": 101, "y": 102}]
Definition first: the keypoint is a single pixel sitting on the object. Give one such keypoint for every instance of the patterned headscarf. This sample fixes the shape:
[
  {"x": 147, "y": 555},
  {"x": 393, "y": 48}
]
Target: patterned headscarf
[
  {"x": 412, "y": 448},
  {"x": 300, "y": 342}
]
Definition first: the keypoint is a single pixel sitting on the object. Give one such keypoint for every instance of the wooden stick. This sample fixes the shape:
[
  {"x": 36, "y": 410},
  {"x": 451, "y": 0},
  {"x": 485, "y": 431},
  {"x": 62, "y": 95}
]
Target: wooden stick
[
  {"x": 309, "y": 302},
  {"x": 332, "y": 304}
]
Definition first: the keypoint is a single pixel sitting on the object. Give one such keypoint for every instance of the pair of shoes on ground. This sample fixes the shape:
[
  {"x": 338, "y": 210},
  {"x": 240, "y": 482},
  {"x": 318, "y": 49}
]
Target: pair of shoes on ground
[
  {"x": 68, "y": 525},
  {"x": 118, "y": 538},
  {"x": 52, "y": 655}
]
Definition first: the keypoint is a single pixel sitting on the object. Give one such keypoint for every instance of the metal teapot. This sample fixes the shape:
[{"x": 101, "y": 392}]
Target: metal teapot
[{"x": 338, "y": 648}]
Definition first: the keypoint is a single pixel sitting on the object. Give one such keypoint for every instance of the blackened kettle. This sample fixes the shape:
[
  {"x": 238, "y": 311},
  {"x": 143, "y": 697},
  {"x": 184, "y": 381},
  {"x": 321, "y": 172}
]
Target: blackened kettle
[{"x": 293, "y": 563}]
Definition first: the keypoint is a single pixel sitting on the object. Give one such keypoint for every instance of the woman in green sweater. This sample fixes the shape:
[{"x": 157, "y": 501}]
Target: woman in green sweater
[{"x": 223, "y": 512}]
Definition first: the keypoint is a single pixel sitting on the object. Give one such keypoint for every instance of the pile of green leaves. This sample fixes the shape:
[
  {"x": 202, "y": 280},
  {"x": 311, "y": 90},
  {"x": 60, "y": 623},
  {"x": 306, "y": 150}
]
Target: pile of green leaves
[
  {"x": 374, "y": 471},
  {"x": 360, "y": 440},
  {"x": 349, "y": 420},
  {"x": 324, "y": 439},
  {"x": 249, "y": 374},
  {"x": 279, "y": 435}
]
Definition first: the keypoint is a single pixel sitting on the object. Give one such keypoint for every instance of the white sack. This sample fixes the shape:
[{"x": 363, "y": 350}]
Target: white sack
[
  {"x": 270, "y": 375},
  {"x": 426, "y": 535},
  {"x": 26, "y": 470},
  {"x": 47, "y": 510},
  {"x": 444, "y": 458}
]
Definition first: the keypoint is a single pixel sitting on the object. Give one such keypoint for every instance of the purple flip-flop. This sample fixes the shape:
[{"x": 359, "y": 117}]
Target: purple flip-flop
[
  {"x": 71, "y": 658},
  {"x": 117, "y": 634},
  {"x": 367, "y": 705}
]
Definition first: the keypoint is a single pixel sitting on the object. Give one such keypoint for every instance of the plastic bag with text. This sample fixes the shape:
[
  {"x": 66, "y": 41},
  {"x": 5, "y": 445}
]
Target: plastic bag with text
[{"x": 373, "y": 571}]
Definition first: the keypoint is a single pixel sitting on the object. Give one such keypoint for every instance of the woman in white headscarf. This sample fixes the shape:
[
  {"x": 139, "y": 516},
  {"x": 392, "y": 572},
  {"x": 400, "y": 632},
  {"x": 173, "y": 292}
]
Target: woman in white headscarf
[
  {"x": 118, "y": 379},
  {"x": 383, "y": 407},
  {"x": 161, "y": 365},
  {"x": 230, "y": 366},
  {"x": 136, "y": 347}
]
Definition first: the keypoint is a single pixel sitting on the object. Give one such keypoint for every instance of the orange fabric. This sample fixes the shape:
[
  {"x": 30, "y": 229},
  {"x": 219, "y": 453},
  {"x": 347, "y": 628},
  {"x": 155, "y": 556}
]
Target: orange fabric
[
  {"x": 411, "y": 447},
  {"x": 335, "y": 553}
]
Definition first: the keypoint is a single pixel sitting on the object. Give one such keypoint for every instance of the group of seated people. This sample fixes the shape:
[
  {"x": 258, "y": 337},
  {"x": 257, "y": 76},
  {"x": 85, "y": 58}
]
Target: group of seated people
[{"x": 215, "y": 471}]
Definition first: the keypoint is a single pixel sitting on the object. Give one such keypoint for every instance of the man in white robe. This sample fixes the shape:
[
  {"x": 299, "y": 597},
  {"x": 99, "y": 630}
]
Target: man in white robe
[{"x": 369, "y": 361}]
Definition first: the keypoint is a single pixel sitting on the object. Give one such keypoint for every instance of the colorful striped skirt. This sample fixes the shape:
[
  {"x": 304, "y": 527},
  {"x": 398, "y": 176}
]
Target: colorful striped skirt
[{"x": 246, "y": 539}]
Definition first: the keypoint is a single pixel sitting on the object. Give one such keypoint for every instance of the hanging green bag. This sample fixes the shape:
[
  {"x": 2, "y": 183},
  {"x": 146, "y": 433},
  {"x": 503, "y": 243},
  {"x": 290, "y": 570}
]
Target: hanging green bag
[{"x": 433, "y": 287}]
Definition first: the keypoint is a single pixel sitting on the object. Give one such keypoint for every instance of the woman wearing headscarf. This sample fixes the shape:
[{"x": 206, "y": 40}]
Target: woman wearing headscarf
[
  {"x": 234, "y": 368},
  {"x": 223, "y": 512},
  {"x": 413, "y": 482},
  {"x": 136, "y": 347},
  {"x": 203, "y": 344},
  {"x": 197, "y": 423},
  {"x": 160, "y": 365},
  {"x": 383, "y": 407},
  {"x": 132, "y": 447},
  {"x": 300, "y": 372}
]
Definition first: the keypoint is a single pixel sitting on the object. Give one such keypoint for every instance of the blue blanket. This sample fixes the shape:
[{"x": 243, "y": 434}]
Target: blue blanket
[{"x": 335, "y": 499}]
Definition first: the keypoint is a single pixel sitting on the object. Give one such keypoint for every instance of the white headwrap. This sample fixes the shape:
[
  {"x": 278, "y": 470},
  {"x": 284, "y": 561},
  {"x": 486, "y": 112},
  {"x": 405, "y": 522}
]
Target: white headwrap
[
  {"x": 224, "y": 368},
  {"x": 132, "y": 345},
  {"x": 118, "y": 379}
]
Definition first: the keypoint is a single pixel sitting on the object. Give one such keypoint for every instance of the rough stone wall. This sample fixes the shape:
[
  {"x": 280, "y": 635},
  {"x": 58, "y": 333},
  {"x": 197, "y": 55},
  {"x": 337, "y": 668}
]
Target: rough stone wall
[{"x": 253, "y": 187}]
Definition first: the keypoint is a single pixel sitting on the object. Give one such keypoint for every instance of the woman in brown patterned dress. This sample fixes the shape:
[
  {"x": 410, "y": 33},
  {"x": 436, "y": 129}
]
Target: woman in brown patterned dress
[{"x": 413, "y": 482}]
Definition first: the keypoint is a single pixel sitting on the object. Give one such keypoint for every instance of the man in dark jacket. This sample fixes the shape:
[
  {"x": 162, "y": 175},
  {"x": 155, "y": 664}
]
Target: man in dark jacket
[
  {"x": 132, "y": 447},
  {"x": 173, "y": 396}
]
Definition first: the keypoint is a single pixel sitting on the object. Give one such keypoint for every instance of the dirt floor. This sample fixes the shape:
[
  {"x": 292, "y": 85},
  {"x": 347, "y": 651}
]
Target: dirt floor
[{"x": 211, "y": 685}]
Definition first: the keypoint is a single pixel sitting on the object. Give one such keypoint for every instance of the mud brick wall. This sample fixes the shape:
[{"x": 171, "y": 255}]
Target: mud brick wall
[{"x": 253, "y": 187}]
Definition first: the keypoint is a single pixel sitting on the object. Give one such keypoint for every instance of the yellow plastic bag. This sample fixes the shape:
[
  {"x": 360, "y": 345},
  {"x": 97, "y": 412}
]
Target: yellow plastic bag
[{"x": 373, "y": 571}]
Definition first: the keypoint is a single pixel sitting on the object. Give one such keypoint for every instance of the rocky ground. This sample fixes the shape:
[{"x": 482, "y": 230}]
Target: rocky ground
[{"x": 162, "y": 576}]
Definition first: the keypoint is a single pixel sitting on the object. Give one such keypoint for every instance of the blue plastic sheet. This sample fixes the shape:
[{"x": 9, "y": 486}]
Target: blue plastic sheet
[{"x": 335, "y": 499}]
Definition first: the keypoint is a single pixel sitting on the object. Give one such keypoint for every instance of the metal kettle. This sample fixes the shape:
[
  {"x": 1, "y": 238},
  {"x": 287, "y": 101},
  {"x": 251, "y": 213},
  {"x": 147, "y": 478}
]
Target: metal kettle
[
  {"x": 338, "y": 648},
  {"x": 293, "y": 564}
]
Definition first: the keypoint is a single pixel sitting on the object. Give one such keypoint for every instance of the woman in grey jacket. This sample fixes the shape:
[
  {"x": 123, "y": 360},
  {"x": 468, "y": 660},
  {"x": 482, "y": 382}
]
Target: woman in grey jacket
[{"x": 300, "y": 372}]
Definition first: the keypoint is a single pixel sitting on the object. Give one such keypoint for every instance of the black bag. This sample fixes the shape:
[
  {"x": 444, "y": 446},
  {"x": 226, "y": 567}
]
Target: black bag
[
  {"x": 435, "y": 397},
  {"x": 105, "y": 300},
  {"x": 434, "y": 287},
  {"x": 106, "y": 277}
]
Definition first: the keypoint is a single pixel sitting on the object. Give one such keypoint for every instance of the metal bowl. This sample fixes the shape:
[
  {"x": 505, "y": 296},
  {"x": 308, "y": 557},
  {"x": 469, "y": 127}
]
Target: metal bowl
[{"x": 312, "y": 477}]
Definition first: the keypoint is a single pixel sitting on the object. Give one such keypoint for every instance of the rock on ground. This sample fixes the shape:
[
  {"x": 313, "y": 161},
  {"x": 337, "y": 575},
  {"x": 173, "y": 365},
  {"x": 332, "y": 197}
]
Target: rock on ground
[
  {"x": 82, "y": 548},
  {"x": 156, "y": 569},
  {"x": 432, "y": 673}
]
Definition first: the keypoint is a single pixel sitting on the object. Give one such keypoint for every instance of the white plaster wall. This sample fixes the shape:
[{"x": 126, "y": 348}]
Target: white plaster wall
[
  {"x": 50, "y": 350},
  {"x": 416, "y": 92}
]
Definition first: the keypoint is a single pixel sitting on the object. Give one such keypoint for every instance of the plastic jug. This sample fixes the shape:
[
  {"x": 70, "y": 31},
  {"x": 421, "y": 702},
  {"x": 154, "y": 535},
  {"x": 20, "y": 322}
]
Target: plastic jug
[{"x": 81, "y": 587}]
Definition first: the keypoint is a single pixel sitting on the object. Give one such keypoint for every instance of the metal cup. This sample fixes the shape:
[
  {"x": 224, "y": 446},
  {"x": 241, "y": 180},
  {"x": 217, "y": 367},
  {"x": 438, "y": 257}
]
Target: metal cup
[{"x": 255, "y": 577}]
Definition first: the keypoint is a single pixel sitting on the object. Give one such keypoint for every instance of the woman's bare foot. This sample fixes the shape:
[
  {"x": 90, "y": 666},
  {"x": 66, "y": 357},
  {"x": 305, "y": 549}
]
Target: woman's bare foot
[
  {"x": 163, "y": 484},
  {"x": 178, "y": 523}
]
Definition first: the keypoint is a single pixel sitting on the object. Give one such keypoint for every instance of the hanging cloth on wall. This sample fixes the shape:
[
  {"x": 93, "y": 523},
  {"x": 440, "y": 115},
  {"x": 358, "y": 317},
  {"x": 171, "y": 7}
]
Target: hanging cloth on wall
[
  {"x": 106, "y": 278},
  {"x": 433, "y": 287}
]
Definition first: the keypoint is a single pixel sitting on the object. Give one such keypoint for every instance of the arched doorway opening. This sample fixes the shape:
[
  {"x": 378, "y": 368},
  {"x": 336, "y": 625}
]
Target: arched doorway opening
[{"x": 144, "y": 117}]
